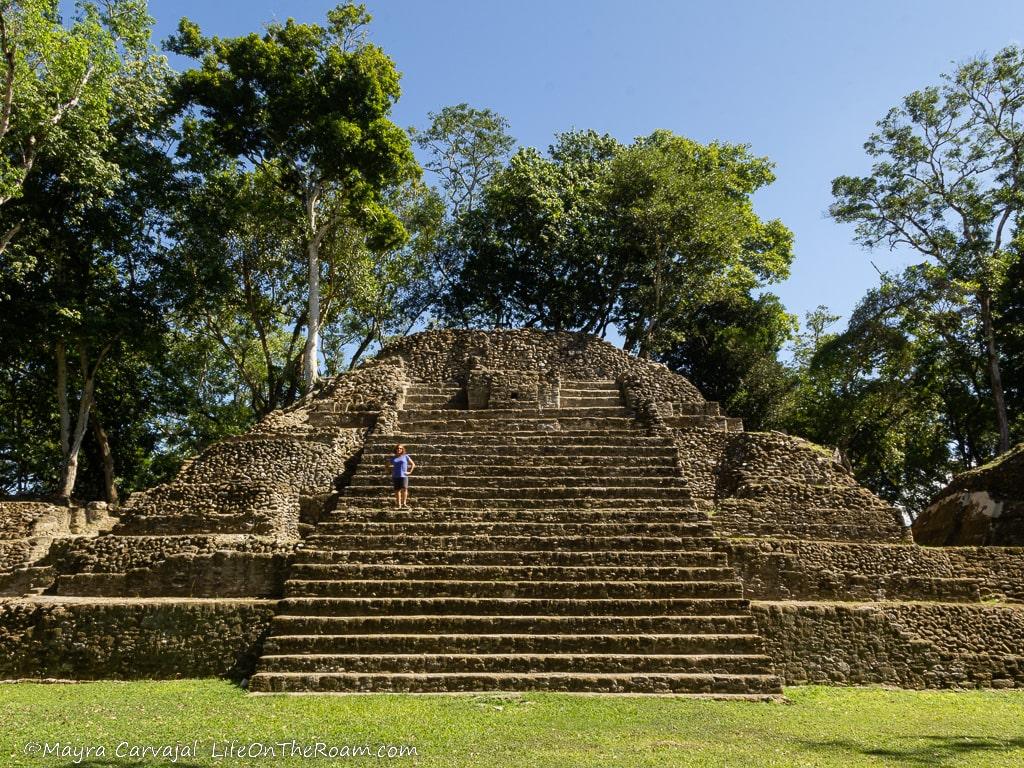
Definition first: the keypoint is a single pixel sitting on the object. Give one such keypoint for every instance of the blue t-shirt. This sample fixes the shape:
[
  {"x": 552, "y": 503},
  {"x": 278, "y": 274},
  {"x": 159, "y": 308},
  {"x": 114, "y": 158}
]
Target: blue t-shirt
[{"x": 400, "y": 465}]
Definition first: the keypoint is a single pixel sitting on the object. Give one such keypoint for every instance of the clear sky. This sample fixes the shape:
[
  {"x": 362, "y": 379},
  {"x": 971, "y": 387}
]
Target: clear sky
[{"x": 801, "y": 82}]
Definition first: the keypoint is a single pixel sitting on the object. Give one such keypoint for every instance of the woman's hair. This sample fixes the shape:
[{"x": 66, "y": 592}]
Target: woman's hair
[{"x": 399, "y": 447}]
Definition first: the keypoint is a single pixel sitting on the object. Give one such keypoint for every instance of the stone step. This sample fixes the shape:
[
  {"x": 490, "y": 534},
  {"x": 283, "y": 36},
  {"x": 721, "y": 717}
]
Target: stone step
[
  {"x": 588, "y": 385},
  {"x": 468, "y": 467},
  {"x": 424, "y": 479},
  {"x": 689, "y": 421},
  {"x": 311, "y": 553},
  {"x": 586, "y": 663},
  {"x": 457, "y": 399},
  {"x": 531, "y": 542},
  {"x": 467, "y": 423},
  {"x": 589, "y": 400},
  {"x": 651, "y": 683},
  {"x": 516, "y": 573},
  {"x": 678, "y": 624},
  {"x": 534, "y": 589},
  {"x": 613, "y": 413},
  {"x": 634, "y": 438},
  {"x": 554, "y": 515},
  {"x": 524, "y": 493},
  {"x": 463, "y": 460},
  {"x": 383, "y": 501},
  {"x": 514, "y": 528},
  {"x": 811, "y": 531},
  {"x": 394, "y": 607},
  {"x": 612, "y": 452},
  {"x": 510, "y": 643},
  {"x": 434, "y": 402}
]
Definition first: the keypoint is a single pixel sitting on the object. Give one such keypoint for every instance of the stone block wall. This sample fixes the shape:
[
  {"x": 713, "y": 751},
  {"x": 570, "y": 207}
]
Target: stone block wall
[
  {"x": 773, "y": 569},
  {"x": 178, "y": 565},
  {"x": 983, "y": 506},
  {"x": 131, "y": 639},
  {"x": 771, "y": 484},
  {"x": 301, "y": 462},
  {"x": 449, "y": 355},
  {"x": 26, "y": 519},
  {"x": 259, "y": 508},
  {"x": 780, "y": 569},
  {"x": 699, "y": 455},
  {"x": 487, "y": 388},
  {"x": 29, "y": 528},
  {"x": 368, "y": 396},
  {"x": 911, "y": 645},
  {"x": 809, "y": 521},
  {"x": 764, "y": 457}
]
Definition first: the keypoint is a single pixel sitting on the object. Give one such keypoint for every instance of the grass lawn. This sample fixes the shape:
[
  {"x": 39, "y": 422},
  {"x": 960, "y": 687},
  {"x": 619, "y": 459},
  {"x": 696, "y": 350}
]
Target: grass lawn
[{"x": 820, "y": 727}]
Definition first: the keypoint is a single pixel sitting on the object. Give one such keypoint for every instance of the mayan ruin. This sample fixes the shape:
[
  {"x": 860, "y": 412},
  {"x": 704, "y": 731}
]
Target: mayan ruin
[{"x": 581, "y": 520}]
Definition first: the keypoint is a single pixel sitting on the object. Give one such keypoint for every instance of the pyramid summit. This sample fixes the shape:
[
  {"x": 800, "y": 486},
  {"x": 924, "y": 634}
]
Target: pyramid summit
[{"x": 579, "y": 520}]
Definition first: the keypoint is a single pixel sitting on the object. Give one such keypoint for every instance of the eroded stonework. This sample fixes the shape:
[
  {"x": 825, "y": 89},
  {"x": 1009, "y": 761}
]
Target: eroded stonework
[
  {"x": 582, "y": 520},
  {"x": 984, "y": 506}
]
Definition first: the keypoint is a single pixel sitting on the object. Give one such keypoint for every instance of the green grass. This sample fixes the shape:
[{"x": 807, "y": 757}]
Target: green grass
[{"x": 820, "y": 727}]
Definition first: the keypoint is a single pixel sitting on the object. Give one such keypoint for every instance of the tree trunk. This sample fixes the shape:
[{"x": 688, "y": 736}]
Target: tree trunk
[
  {"x": 310, "y": 353},
  {"x": 647, "y": 343},
  {"x": 995, "y": 377},
  {"x": 103, "y": 440},
  {"x": 60, "y": 352},
  {"x": 363, "y": 346},
  {"x": 69, "y": 470}
]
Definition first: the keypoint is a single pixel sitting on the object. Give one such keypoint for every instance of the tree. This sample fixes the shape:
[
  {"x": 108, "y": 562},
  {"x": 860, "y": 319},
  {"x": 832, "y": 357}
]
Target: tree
[
  {"x": 60, "y": 87},
  {"x": 237, "y": 272},
  {"x": 597, "y": 233},
  {"x": 465, "y": 147},
  {"x": 729, "y": 349},
  {"x": 948, "y": 183},
  {"x": 1009, "y": 313},
  {"x": 535, "y": 252},
  {"x": 686, "y": 233},
  {"x": 389, "y": 289},
  {"x": 899, "y": 390},
  {"x": 77, "y": 285},
  {"x": 309, "y": 105}
]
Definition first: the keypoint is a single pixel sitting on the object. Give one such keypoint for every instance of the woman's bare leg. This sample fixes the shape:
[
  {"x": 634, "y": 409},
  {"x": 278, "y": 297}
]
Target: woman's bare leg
[{"x": 404, "y": 493}]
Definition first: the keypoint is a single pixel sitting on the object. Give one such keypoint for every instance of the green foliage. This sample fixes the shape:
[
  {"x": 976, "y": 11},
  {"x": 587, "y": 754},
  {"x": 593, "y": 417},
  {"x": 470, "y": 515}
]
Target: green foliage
[
  {"x": 78, "y": 285},
  {"x": 948, "y": 183},
  {"x": 309, "y": 106},
  {"x": 66, "y": 87},
  {"x": 314, "y": 100},
  {"x": 687, "y": 235},
  {"x": 729, "y": 349},
  {"x": 465, "y": 146},
  {"x": 595, "y": 233},
  {"x": 384, "y": 292},
  {"x": 901, "y": 391},
  {"x": 1009, "y": 310},
  {"x": 535, "y": 252}
]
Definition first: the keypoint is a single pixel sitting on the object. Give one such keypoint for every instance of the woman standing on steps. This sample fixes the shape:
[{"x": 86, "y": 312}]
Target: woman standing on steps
[{"x": 402, "y": 466}]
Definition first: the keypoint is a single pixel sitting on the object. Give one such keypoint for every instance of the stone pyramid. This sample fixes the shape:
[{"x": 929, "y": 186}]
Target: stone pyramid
[{"x": 580, "y": 520}]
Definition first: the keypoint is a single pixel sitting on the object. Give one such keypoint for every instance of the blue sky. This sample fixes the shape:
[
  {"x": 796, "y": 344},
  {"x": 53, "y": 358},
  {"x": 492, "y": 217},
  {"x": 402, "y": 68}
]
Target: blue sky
[{"x": 801, "y": 82}]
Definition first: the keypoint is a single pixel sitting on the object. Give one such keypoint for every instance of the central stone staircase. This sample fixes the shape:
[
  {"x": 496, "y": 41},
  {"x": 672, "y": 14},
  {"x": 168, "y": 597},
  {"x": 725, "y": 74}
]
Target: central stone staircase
[{"x": 546, "y": 549}]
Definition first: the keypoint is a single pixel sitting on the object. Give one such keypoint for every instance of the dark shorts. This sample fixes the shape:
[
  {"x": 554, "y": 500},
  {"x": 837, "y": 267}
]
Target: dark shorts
[{"x": 400, "y": 483}]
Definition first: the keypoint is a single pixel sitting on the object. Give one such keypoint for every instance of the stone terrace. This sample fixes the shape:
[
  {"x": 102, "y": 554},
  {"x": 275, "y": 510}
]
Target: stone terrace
[
  {"x": 550, "y": 546},
  {"x": 581, "y": 520}
]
